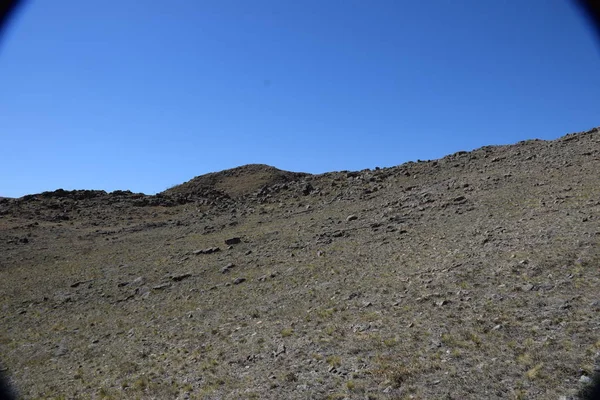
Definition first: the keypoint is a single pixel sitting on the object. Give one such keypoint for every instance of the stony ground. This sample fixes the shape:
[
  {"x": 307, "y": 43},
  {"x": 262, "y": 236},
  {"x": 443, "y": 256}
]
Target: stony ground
[{"x": 475, "y": 276}]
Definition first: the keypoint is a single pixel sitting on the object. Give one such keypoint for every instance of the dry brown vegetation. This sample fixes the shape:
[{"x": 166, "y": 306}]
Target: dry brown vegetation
[{"x": 474, "y": 276}]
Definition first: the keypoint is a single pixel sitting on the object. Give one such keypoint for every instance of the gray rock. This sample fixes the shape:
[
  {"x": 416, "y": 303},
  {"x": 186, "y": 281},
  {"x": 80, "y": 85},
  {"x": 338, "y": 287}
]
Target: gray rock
[
  {"x": 139, "y": 281},
  {"x": 351, "y": 218},
  {"x": 237, "y": 281},
  {"x": 233, "y": 240},
  {"x": 161, "y": 286},
  {"x": 585, "y": 379},
  {"x": 227, "y": 268},
  {"x": 143, "y": 292},
  {"x": 281, "y": 349},
  {"x": 527, "y": 287},
  {"x": 61, "y": 350},
  {"x": 308, "y": 188},
  {"x": 180, "y": 277},
  {"x": 78, "y": 283},
  {"x": 361, "y": 327},
  {"x": 62, "y": 298},
  {"x": 209, "y": 250}
]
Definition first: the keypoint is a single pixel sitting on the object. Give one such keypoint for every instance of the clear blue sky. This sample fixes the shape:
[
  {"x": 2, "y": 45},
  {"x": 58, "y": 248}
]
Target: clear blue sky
[{"x": 142, "y": 95}]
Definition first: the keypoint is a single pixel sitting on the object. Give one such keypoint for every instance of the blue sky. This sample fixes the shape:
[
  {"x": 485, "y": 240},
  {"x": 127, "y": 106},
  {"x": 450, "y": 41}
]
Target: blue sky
[{"x": 142, "y": 95}]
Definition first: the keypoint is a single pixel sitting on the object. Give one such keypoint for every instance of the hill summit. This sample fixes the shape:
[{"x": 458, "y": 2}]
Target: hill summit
[{"x": 236, "y": 182}]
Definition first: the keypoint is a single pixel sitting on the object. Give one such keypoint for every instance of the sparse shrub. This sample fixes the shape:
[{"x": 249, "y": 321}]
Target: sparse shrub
[
  {"x": 336, "y": 396},
  {"x": 334, "y": 361},
  {"x": 525, "y": 359},
  {"x": 141, "y": 384},
  {"x": 534, "y": 372},
  {"x": 104, "y": 394},
  {"x": 475, "y": 339},
  {"x": 287, "y": 332},
  {"x": 325, "y": 313},
  {"x": 397, "y": 375},
  {"x": 351, "y": 385},
  {"x": 520, "y": 394}
]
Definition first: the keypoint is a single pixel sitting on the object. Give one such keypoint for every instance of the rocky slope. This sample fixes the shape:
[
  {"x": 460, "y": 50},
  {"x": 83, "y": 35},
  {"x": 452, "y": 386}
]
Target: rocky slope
[{"x": 474, "y": 276}]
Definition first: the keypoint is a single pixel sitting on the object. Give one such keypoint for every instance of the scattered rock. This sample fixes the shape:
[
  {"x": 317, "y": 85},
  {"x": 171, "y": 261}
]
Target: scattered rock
[
  {"x": 585, "y": 379},
  {"x": 139, "y": 281},
  {"x": 63, "y": 298},
  {"x": 233, "y": 240},
  {"x": 178, "y": 278},
  {"x": 281, "y": 349},
  {"x": 351, "y": 218},
  {"x": 237, "y": 281},
  {"x": 161, "y": 286},
  {"x": 308, "y": 188},
  {"x": 61, "y": 350},
  {"x": 361, "y": 328},
  {"x": 78, "y": 283},
  {"x": 227, "y": 268},
  {"x": 263, "y": 278},
  {"x": 209, "y": 250},
  {"x": 527, "y": 287},
  {"x": 143, "y": 292},
  {"x": 353, "y": 295}
]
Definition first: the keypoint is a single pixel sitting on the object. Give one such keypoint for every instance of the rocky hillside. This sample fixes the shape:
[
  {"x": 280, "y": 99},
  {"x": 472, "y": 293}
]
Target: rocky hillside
[{"x": 474, "y": 276}]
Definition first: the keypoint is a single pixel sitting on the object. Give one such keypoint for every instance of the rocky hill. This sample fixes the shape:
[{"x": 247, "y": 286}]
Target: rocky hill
[
  {"x": 474, "y": 276},
  {"x": 236, "y": 182}
]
